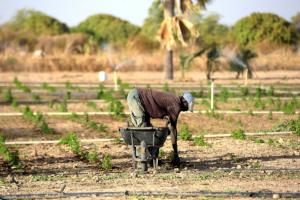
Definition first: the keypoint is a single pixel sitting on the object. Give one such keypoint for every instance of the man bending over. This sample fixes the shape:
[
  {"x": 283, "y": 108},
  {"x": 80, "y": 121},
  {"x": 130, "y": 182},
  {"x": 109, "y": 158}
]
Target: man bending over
[{"x": 145, "y": 104}]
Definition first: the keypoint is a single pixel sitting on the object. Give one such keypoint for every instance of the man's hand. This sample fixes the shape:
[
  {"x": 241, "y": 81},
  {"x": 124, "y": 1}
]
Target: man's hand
[{"x": 175, "y": 160}]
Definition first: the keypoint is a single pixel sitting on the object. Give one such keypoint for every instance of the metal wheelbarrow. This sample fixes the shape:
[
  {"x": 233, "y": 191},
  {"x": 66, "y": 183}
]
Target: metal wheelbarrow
[{"x": 145, "y": 143}]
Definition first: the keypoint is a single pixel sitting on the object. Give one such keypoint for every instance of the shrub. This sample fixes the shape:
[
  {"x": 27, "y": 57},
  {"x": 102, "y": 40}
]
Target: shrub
[
  {"x": 238, "y": 134},
  {"x": 185, "y": 133},
  {"x": 107, "y": 29},
  {"x": 264, "y": 27}
]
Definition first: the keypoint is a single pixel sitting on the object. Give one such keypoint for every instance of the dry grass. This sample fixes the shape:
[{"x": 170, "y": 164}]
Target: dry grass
[{"x": 282, "y": 59}]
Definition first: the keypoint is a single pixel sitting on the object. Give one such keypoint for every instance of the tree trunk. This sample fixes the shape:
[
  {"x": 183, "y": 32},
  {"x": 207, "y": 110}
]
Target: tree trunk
[{"x": 169, "y": 6}]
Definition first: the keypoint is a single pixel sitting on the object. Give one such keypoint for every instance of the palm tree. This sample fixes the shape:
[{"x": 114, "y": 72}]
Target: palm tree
[{"x": 176, "y": 27}]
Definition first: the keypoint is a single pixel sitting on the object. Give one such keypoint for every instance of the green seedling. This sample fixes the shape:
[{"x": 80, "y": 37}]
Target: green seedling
[
  {"x": 49, "y": 88},
  {"x": 260, "y": 92},
  {"x": 199, "y": 141},
  {"x": 92, "y": 157},
  {"x": 21, "y": 86},
  {"x": 45, "y": 128},
  {"x": 185, "y": 133},
  {"x": 68, "y": 95},
  {"x": 11, "y": 157},
  {"x": 72, "y": 141},
  {"x": 224, "y": 95},
  {"x": 290, "y": 125},
  {"x": 14, "y": 104},
  {"x": 270, "y": 91},
  {"x": 117, "y": 108},
  {"x": 238, "y": 134},
  {"x": 36, "y": 98},
  {"x": 244, "y": 91},
  {"x": 259, "y": 141},
  {"x": 92, "y": 105},
  {"x": 106, "y": 162},
  {"x": 96, "y": 126},
  {"x": 166, "y": 87},
  {"x": 7, "y": 96}
]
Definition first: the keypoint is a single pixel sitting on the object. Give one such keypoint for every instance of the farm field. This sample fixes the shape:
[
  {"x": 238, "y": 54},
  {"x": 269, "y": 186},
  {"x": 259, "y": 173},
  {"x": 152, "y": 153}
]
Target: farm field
[{"x": 259, "y": 156}]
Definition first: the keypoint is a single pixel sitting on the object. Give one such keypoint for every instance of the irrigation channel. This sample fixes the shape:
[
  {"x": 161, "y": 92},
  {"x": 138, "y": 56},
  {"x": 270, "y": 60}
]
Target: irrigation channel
[{"x": 259, "y": 194}]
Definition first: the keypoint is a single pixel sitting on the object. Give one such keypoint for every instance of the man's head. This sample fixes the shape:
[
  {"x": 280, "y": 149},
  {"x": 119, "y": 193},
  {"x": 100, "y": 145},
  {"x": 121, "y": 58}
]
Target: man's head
[{"x": 189, "y": 99}]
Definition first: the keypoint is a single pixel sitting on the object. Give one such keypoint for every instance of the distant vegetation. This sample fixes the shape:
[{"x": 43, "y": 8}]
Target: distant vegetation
[
  {"x": 30, "y": 34},
  {"x": 107, "y": 29},
  {"x": 264, "y": 27}
]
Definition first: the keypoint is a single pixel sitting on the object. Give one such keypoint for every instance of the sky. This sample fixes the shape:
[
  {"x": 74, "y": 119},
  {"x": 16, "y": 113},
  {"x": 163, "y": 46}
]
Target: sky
[{"x": 72, "y": 12}]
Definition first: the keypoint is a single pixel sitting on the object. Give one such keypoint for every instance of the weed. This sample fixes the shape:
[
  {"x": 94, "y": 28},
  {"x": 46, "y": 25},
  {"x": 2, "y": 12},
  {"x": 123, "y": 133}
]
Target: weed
[
  {"x": 291, "y": 106},
  {"x": 68, "y": 95},
  {"x": 117, "y": 108},
  {"x": 49, "y": 88},
  {"x": 14, "y": 104},
  {"x": 270, "y": 141},
  {"x": 11, "y": 157},
  {"x": 63, "y": 106},
  {"x": 21, "y": 86},
  {"x": 238, "y": 134},
  {"x": 106, "y": 162},
  {"x": 199, "y": 141},
  {"x": 185, "y": 133},
  {"x": 7, "y": 96},
  {"x": 259, "y": 103},
  {"x": 72, "y": 141},
  {"x": 45, "y": 128}
]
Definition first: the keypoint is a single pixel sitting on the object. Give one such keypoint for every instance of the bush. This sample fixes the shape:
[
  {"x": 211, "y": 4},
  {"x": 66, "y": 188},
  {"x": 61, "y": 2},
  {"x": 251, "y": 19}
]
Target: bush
[
  {"x": 107, "y": 29},
  {"x": 37, "y": 22},
  {"x": 264, "y": 27}
]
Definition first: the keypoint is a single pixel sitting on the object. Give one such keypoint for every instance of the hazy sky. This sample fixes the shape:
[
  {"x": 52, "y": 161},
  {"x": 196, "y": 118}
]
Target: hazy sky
[{"x": 74, "y": 11}]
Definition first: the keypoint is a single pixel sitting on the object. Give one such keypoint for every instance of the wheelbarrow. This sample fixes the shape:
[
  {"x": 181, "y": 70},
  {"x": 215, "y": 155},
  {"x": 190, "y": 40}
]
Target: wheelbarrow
[{"x": 145, "y": 143}]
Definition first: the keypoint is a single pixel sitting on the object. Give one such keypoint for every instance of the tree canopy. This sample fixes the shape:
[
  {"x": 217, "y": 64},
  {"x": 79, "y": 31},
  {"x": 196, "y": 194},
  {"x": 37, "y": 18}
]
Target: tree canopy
[
  {"x": 37, "y": 23},
  {"x": 107, "y": 29},
  {"x": 264, "y": 27}
]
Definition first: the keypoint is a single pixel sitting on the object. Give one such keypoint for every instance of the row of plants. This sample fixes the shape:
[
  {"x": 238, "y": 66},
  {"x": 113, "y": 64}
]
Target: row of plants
[{"x": 72, "y": 141}]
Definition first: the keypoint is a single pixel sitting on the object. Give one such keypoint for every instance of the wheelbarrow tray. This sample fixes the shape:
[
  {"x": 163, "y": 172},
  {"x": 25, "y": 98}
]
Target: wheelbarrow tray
[{"x": 152, "y": 136}]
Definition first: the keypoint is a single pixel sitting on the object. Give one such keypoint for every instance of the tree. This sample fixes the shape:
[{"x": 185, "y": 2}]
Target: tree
[
  {"x": 37, "y": 23},
  {"x": 154, "y": 19},
  {"x": 107, "y": 29},
  {"x": 176, "y": 27},
  {"x": 264, "y": 27},
  {"x": 296, "y": 21}
]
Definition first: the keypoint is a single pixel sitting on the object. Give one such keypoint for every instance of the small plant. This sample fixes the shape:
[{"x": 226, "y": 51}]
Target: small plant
[
  {"x": 69, "y": 85},
  {"x": 259, "y": 141},
  {"x": 238, "y": 134},
  {"x": 49, "y": 88},
  {"x": 117, "y": 108},
  {"x": 63, "y": 106},
  {"x": 259, "y": 103},
  {"x": 96, "y": 126},
  {"x": 260, "y": 92},
  {"x": 11, "y": 157},
  {"x": 166, "y": 87},
  {"x": 72, "y": 141},
  {"x": 92, "y": 157},
  {"x": 36, "y": 98},
  {"x": 14, "y": 104},
  {"x": 224, "y": 94},
  {"x": 106, "y": 162},
  {"x": 291, "y": 106},
  {"x": 21, "y": 86},
  {"x": 68, "y": 95},
  {"x": 185, "y": 133},
  {"x": 100, "y": 91},
  {"x": 291, "y": 125},
  {"x": 92, "y": 105},
  {"x": 7, "y": 96},
  {"x": 270, "y": 91},
  {"x": 199, "y": 141},
  {"x": 45, "y": 128},
  {"x": 244, "y": 91}
]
